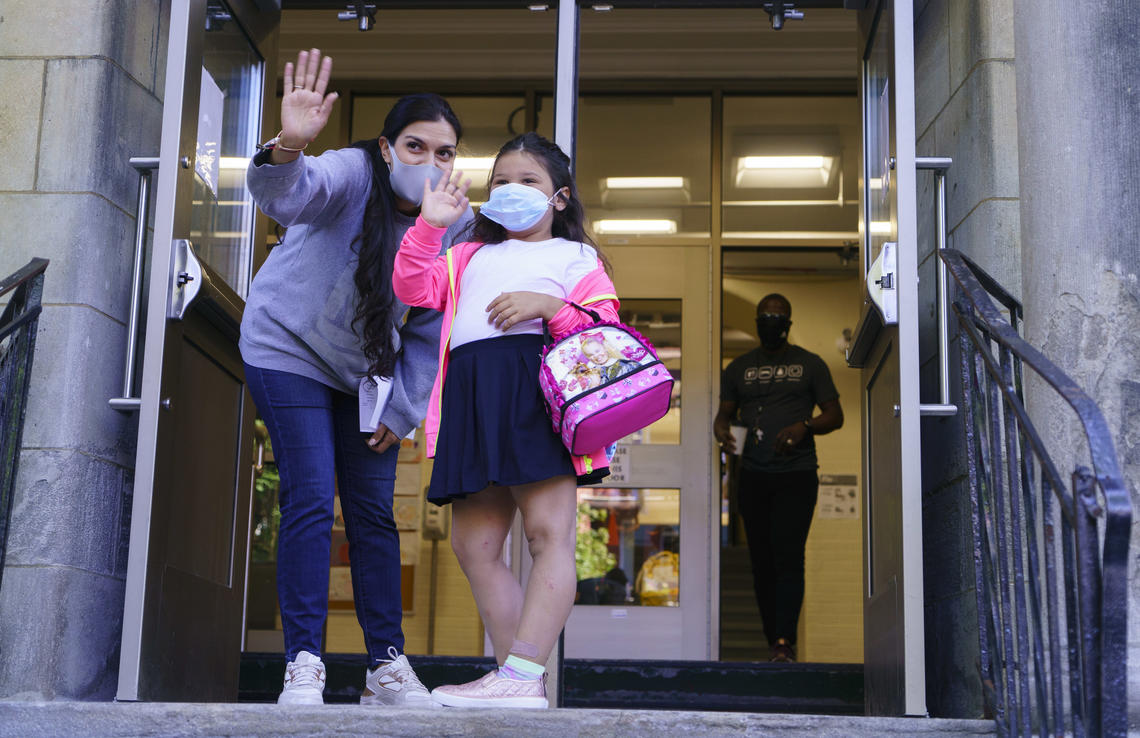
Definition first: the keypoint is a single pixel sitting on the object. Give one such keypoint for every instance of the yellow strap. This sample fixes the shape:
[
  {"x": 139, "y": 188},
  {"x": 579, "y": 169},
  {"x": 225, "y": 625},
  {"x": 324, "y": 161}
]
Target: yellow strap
[
  {"x": 599, "y": 298},
  {"x": 589, "y": 464}
]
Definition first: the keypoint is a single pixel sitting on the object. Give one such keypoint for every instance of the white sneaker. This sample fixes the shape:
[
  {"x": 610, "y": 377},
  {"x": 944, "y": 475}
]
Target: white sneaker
[
  {"x": 304, "y": 681},
  {"x": 395, "y": 683}
]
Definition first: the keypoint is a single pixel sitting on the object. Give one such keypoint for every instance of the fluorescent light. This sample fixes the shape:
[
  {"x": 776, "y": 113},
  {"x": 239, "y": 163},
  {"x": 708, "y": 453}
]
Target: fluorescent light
[
  {"x": 469, "y": 164},
  {"x": 779, "y": 172},
  {"x": 881, "y": 228},
  {"x": 654, "y": 226},
  {"x": 782, "y": 162},
  {"x": 233, "y": 162},
  {"x": 644, "y": 183}
]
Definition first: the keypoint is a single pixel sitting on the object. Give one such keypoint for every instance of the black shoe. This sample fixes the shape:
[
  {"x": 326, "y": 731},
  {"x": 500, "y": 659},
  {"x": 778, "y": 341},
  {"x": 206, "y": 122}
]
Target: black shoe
[{"x": 782, "y": 652}]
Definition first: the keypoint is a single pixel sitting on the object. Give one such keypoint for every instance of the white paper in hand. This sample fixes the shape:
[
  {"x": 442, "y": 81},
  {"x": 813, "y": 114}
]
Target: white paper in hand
[{"x": 373, "y": 395}]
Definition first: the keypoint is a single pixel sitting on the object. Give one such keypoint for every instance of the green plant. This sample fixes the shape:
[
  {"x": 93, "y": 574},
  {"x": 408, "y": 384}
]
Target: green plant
[{"x": 591, "y": 553}]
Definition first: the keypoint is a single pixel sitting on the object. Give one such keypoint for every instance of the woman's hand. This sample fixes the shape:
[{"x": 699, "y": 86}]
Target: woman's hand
[
  {"x": 446, "y": 202},
  {"x": 305, "y": 107},
  {"x": 511, "y": 308},
  {"x": 382, "y": 439}
]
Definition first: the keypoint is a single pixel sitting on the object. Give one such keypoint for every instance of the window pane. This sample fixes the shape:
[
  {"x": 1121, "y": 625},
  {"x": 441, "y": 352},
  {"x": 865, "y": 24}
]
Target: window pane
[
  {"x": 643, "y": 167},
  {"x": 229, "y": 119},
  {"x": 628, "y": 547},
  {"x": 790, "y": 173}
]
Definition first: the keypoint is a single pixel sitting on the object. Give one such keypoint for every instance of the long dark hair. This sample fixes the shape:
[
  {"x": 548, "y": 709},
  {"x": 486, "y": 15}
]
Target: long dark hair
[
  {"x": 377, "y": 244},
  {"x": 570, "y": 222}
]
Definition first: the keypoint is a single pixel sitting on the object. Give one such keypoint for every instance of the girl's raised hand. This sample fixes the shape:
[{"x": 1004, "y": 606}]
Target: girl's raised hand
[
  {"x": 305, "y": 107},
  {"x": 446, "y": 202}
]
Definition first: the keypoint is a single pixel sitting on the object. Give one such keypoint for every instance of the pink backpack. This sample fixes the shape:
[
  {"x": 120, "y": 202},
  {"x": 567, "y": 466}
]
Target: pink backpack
[{"x": 601, "y": 383}]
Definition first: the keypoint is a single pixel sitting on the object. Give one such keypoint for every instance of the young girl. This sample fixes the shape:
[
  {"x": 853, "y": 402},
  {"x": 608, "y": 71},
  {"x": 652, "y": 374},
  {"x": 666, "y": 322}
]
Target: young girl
[{"x": 494, "y": 448}]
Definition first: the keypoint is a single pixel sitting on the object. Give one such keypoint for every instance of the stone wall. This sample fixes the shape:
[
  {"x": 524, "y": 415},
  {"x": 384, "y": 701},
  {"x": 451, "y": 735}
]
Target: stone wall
[
  {"x": 80, "y": 93},
  {"x": 965, "y": 93},
  {"x": 1079, "y": 165}
]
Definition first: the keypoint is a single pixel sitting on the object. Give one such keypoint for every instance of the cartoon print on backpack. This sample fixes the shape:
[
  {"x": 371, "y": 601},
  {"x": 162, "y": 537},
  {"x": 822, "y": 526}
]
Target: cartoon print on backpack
[
  {"x": 595, "y": 358},
  {"x": 603, "y": 360}
]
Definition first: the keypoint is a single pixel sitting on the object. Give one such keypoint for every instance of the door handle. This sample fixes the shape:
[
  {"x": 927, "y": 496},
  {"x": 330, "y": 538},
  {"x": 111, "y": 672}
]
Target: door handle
[
  {"x": 185, "y": 279},
  {"x": 144, "y": 165},
  {"x": 939, "y": 165}
]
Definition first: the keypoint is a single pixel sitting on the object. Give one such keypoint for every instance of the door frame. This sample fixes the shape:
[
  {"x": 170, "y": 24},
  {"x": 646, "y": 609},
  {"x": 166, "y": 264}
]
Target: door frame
[{"x": 894, "y": 626}]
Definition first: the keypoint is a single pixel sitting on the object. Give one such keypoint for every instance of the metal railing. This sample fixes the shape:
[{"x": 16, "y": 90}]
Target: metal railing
[
  {"x": 24, "y": 292},
  {"x": 1050, "y": 557}
]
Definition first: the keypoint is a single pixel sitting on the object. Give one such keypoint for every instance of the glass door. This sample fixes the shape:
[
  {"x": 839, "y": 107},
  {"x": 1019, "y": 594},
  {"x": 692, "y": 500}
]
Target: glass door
[
  {"x": 646, "y": 534},
  {"x": 182, "y": 621},
  {"x": 885, "y": 347}
]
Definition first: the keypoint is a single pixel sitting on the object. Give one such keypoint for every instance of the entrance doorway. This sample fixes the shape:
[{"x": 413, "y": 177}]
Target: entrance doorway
[{"x": 666, "y": 106}]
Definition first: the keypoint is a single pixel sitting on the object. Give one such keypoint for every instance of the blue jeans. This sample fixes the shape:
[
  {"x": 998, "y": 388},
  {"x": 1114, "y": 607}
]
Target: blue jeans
[{"x": 320, "y": 451}]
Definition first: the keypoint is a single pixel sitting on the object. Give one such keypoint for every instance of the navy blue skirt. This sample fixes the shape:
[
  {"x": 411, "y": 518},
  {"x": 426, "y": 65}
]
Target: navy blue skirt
[{"x": 494, "y": 427}]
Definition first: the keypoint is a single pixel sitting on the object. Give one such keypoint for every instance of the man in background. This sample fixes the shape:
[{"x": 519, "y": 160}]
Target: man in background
[{"x": 772, "y": 391}]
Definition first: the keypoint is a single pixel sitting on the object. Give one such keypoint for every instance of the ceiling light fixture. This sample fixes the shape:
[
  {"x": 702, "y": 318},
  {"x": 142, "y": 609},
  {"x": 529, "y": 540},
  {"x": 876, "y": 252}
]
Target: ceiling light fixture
[
  {"x": 644, "y": 183},
  {"x": 782, "y": 162},
  {"x": 478, "y": 168},
  {"x": 796, "y": 171},
  {"x": 635, "y": 226}
]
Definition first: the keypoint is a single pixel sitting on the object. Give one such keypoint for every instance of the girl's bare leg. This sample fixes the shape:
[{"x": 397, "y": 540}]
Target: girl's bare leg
[
  {"x": 480, "y": 524},
  {"x": 549, "y": 513}
]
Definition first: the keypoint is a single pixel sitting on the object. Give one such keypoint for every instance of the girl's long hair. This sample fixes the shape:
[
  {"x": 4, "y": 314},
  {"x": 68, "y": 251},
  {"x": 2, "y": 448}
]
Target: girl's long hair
[
  {"x": 377, "y": 244},
  {"x": 570, "y": 222}
]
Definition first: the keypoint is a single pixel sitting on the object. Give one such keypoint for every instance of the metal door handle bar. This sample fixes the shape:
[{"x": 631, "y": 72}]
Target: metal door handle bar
[
  {"x": 145, "y": 165},
  {"x": 939, "y": 165}
]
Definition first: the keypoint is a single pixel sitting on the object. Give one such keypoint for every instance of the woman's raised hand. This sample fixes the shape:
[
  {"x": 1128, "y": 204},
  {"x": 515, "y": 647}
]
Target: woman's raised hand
[
  {"x": 446, "y": 202},
  {"x": 305, "y": 107}
]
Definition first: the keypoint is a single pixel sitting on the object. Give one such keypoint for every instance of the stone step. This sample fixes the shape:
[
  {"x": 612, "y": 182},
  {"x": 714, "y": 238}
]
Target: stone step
[
  {"x": 189, "y": 719},
  {"x": 829, "y": 689}
]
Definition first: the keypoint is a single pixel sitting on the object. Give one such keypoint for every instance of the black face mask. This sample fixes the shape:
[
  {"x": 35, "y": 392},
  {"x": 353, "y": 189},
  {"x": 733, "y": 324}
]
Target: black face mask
[{"x": 772, "y": 329}]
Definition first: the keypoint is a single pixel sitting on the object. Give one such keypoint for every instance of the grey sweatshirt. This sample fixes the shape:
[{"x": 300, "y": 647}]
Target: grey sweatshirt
[{"x": 298, "y": 317}]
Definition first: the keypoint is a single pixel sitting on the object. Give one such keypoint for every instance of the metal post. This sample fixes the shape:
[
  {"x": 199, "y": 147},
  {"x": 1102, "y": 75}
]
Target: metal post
[{"x": 566, "y": 79}]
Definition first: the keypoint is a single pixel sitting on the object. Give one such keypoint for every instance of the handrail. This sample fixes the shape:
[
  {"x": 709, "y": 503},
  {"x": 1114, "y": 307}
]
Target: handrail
[
  {"x": 1031, "y": 643},
  {"x": 17, "y": 348}
]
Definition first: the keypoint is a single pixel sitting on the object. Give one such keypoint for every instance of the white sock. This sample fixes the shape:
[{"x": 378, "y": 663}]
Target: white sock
[{"x": 519, "y": 668}]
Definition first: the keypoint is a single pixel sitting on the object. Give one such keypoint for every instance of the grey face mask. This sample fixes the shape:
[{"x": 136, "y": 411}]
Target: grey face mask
[{"x": 407, "y": 180}]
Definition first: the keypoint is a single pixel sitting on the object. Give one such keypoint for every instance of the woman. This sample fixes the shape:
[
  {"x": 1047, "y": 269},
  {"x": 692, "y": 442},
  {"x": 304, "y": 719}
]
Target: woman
[{"x": 321, "y": 321}]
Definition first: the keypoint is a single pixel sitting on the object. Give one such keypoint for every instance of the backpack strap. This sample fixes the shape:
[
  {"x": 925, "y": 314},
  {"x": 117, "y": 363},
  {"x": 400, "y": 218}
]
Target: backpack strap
[
  {"x": 547, "y": 339},
  {"x": 592, "y": 313}
]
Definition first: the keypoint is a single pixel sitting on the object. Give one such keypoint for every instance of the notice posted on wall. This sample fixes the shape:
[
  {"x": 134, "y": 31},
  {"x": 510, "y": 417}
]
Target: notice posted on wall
[
  {"x": 838, "y": 496},
  {"x": 620, "y": 470}
]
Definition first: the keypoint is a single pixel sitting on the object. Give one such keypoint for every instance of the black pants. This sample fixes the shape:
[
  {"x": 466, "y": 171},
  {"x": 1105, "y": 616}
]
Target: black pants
[{"x": 777, "y": 511}]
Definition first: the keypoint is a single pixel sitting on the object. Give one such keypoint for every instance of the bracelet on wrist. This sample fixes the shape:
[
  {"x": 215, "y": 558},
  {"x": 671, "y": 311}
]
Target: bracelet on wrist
[{"x": 275, "y": 143}]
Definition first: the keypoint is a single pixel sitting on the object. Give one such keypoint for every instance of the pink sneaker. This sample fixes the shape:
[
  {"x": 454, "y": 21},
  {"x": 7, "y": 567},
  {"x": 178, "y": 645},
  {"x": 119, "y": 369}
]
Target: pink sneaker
[{"x": 493, "y": 690}]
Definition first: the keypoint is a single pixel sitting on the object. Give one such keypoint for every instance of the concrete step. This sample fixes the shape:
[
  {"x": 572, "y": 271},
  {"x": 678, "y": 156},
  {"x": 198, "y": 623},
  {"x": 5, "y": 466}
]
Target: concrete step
[{"x": 188, "y": 719}]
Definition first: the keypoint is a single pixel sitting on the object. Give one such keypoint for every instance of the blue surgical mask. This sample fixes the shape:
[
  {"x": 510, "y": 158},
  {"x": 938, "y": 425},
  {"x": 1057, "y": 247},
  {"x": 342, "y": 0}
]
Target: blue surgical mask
[
  {"x": 516, "y": 207},
  {"x": 407, "y": 180}
]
